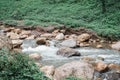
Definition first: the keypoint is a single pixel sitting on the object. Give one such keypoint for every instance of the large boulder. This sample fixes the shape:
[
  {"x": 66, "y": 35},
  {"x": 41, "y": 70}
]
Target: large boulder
[
  {"x": 77, "y": 69},
  {"x": 116, "y": 45},
  {"x": 5, "y": 42},
  {"x": 83, "y": 37},
  {"x": 69, "y": 43},
  {"x": 68, "y": 52}
]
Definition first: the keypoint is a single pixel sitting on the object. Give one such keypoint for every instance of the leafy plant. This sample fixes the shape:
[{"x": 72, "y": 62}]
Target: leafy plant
[{"x": 17, "y": 66}]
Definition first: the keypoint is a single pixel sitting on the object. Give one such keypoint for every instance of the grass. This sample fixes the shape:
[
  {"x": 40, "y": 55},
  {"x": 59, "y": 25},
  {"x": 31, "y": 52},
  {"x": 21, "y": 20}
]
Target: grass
[{"x": 72, "y": 13}]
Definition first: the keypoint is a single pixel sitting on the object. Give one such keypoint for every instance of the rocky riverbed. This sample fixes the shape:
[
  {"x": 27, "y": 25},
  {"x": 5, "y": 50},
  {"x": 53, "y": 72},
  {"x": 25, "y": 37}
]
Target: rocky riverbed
[{"x": 63, "y": 52}]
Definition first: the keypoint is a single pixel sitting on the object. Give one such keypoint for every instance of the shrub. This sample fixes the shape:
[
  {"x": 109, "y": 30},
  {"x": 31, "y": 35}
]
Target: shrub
[{"x": 16, "y": 66}]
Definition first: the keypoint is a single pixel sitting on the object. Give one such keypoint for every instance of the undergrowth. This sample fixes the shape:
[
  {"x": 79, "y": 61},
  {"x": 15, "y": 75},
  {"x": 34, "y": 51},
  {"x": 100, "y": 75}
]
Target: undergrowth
[{"x": 17, "y": 66}]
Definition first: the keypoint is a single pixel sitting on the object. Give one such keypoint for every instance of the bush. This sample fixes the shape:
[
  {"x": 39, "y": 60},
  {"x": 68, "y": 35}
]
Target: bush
[{"x": 16, "y": 66}]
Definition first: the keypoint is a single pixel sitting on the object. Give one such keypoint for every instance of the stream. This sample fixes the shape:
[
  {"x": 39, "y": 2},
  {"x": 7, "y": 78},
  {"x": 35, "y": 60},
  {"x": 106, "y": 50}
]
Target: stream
[{"x": 49, "y": 56}]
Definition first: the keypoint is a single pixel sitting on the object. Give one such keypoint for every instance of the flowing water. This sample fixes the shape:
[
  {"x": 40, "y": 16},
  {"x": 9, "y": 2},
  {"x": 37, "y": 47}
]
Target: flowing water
[{"x": 49, "y": 56}]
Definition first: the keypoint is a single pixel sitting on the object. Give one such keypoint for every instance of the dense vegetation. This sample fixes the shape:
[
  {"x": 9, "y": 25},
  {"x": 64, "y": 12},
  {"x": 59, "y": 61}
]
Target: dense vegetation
[
  {"x": 72, "y": 13},
  {"x": 16, "y": 66}
]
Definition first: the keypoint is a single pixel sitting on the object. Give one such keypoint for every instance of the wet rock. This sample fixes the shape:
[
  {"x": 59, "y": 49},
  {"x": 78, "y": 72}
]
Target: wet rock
[
  {"x": 116, "y": 45},
  {"x": 35, "y": 56},
  {"x": 68, "y": 52},
  {"x": 83, "y": 37},
  {"x": 60, "y": 36},
  {"x": 17, "y": 43},
  {"x": 27, "y": 43},
  {"x": 5, "y": 42},
  {"x": 41, "y": 41},
  {"x": 100, "y": 66},
  {"x": 111, "y": 76},
  {"x": 69, "y": 43},
  {"x": 48, "y": 70},
  {"x": 76, "y": 68}
]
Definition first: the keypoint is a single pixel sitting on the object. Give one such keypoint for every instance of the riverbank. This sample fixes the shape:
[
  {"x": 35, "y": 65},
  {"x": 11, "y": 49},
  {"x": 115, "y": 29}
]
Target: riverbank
[
  {"x": 70, "y": 13},
  {"x": 53, "y": 48}
]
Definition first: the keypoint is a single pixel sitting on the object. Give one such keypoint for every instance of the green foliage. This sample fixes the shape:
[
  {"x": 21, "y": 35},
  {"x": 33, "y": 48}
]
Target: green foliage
[
  {"x": 16, "y": 66},
  {"x": 72, "y": 13}
]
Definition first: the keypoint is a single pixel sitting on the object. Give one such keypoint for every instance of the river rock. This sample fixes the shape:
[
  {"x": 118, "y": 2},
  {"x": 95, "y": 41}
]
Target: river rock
[
  {"x": 41, "y": 41},
  {"x": 47, "y": 35},
  {"x": 17, "y": 43},
  {"x": 23, "y": 36},
  {"x": 60, "y": 36},
  {"x": 68, "y": 52},
  {"x": 100, "y": 66},
  {"x": 25, "y": 32},
  {"x": 99, "y": 46},
  {"x": 115, "y": 67},
  {"x": 83, "y": 37},
  {"x": 17, "y": 31},
  {"x": 35, "y": 56},
  {"x": 111, "y": 76},
  {"x": 31, "y": 37},
  {"x": 5, "y": 42},
  {"x": 48, "y": 70},
  {"x": 116, "y": 45},
  {"x": 76, "y": 68},
  {"x": 12, "y": 35},
  {"x": 69, "y": 43}
]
